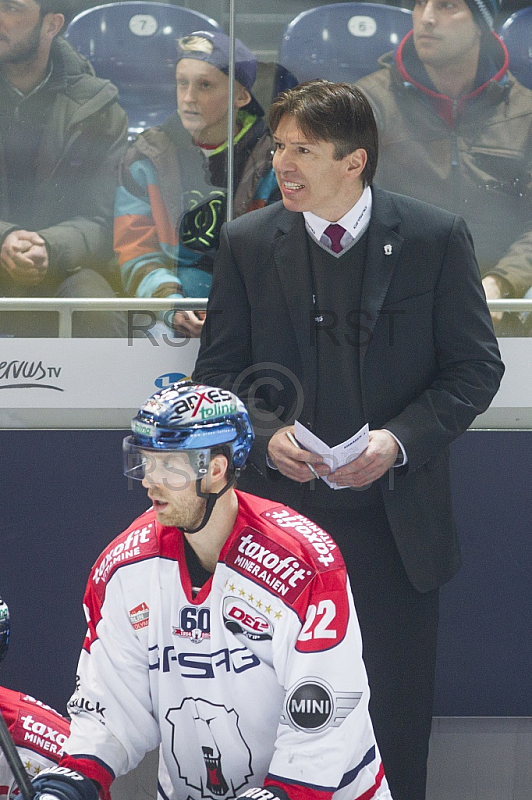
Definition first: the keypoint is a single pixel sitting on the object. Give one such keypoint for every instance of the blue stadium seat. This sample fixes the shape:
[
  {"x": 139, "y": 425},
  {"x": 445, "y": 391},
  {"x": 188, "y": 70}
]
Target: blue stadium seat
[
  {"x": 342, "y": 41},
  {"x": 133, "y": 44},
  {"x": 516, "y": 34}
]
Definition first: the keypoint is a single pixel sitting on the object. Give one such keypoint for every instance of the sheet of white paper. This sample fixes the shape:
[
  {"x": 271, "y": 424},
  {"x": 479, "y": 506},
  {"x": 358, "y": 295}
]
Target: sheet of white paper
[{"x": 335, "y": 456}]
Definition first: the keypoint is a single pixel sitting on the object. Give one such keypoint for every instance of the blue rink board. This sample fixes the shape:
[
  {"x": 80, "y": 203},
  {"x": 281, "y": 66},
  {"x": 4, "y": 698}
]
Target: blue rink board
[{"x": 63, "y": 498}]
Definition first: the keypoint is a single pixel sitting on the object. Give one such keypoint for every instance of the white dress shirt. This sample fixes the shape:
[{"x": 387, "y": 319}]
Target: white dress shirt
[{"x": 355, "y": 222}]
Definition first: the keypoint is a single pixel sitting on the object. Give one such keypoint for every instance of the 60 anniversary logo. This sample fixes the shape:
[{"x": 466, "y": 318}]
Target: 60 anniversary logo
[{"x": 28, "y": 375}]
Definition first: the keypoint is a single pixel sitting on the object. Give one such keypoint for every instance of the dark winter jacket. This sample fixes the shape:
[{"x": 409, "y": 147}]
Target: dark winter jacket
[{"x": 79, "y": 148}]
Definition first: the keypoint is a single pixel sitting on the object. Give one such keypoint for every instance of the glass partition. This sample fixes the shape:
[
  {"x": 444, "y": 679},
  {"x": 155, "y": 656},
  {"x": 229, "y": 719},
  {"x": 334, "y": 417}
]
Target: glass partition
[
  {"x": 138, "y": 205},
  {"x": 138, "y": 214}
]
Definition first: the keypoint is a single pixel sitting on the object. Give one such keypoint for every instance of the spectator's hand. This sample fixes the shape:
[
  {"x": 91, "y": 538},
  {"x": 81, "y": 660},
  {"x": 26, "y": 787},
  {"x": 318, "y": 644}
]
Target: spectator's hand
[
  {"x": 375, "y": 461},
  {"x": 290, "y": 460},
  {"x": 24, "y": 257},
  {"x": 189, "y": 322},
  {"x": 494, "y": 291}
]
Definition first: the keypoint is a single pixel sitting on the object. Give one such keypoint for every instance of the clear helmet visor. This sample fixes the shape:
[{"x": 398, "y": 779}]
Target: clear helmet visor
[{"x": 172, "y": 467}]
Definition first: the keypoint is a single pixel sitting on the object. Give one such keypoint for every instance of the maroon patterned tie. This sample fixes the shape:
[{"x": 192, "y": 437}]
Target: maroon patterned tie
[{"x": 335, "y": 233}]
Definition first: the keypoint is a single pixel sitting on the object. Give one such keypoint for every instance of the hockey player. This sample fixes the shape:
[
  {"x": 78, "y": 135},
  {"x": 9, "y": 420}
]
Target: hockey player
[
  {"x": 38, "y": 732},
  {"x": 220, "y": 626}
]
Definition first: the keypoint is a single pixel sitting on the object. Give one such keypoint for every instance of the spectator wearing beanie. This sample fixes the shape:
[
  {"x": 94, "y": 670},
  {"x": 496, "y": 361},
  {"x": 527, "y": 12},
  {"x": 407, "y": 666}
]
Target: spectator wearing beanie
[
  {"x": 172, "y": 197},
  {"x": 455, "y": 129}
]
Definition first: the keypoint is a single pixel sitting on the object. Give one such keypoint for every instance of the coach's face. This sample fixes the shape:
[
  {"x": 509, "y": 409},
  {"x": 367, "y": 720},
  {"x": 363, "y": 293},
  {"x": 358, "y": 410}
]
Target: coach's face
[{"x": 309, "y": 176}]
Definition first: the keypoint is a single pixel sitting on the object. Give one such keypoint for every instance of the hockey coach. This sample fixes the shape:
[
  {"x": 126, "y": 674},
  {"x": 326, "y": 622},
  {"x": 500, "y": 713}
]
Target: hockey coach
[{"x": 345, "y": 306}]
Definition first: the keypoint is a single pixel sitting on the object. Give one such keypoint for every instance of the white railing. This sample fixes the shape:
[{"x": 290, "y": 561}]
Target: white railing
[
  {"x": 67, "y": 382},
  {"x": 65, "y": 306}
]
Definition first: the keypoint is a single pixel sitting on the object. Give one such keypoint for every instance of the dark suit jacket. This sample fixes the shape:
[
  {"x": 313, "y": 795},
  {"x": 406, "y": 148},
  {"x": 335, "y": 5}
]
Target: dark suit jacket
[{"x": 429, "y": 361}]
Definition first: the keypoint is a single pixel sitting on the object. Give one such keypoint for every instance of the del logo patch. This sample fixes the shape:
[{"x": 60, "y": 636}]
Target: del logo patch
[
  {"x": 269, "y": 564},
  {"x": 240, "y": 617}
]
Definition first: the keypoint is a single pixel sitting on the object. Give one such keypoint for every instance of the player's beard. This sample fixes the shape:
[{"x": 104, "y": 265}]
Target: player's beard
[
  {"x": 24, "y": 50},
  {"x": 185, "y": 516},
  {"x": 192, "y": 517}
]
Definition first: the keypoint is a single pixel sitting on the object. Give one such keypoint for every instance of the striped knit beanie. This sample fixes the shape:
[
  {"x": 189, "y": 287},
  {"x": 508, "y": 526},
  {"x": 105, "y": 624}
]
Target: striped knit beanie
[{"x": 484, "y": 12}]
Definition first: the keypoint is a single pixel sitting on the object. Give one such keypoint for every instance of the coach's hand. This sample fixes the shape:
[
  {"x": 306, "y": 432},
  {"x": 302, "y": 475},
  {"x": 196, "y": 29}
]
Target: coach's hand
[
  {"x": 292, "y": 461},
  {"x": 24, "y": 257},
  {"x": 189, "y": 322},
  {"x": 378, "y": 457}
]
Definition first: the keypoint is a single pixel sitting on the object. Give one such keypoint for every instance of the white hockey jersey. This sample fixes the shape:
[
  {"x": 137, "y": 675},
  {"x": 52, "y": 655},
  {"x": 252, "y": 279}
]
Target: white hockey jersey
[
  {"x": 38, "y": 732},
  {"x": 257, "y": 679}
]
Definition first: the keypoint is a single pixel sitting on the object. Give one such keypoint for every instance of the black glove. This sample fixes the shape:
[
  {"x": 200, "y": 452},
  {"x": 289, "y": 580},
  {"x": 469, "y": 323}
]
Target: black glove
[
  {"x": 60, "y": 783},
  {"x": 264, "y": 793}
]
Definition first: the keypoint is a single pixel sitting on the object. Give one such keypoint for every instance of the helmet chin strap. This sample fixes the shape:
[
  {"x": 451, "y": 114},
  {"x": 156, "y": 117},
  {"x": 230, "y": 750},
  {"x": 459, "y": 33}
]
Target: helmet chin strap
[{"x": 211, "y": 498}]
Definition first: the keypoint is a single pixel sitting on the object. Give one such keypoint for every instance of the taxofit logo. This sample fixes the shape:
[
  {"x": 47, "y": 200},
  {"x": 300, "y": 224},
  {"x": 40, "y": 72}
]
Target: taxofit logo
[
  {"x": 42, "y": 735},
  {"x": 320, "y": 541},
  {"x": 268, "y": 564},
  {"x": 136, "y": 544},
  {"x": 26, "y": 374}
]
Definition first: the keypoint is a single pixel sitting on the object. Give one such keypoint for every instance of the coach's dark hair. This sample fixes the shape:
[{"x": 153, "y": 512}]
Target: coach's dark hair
[{"x": 332, "y": 112}]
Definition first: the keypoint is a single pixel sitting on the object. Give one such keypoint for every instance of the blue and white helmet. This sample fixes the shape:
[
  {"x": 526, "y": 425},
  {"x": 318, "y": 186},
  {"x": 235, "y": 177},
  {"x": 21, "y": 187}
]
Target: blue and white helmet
[
  {"x": 4, "y": 629},
  {"x": 192, "y": 417}
]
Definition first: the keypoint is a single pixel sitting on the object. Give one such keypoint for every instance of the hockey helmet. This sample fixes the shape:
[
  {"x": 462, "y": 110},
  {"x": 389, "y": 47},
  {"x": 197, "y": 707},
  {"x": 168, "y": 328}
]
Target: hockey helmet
[
  {"x": 191, "y": 417},
  {"x": 4, "y": 629}
]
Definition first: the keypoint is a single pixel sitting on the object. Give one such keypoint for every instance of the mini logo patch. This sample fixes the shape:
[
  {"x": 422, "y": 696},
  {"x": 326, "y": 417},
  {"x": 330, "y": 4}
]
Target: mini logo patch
[
  {"x": 312, "y": 705},
  {"x": 140, "y": 616}
]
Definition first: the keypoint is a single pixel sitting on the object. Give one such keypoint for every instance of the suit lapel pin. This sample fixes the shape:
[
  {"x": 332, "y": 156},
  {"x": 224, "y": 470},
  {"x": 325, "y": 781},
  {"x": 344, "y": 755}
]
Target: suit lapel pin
[{"x": 387, "y": 249}]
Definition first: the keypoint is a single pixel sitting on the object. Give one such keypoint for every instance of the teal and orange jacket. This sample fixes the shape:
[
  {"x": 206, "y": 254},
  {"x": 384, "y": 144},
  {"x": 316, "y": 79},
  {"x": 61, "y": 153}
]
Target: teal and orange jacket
[{"x": 171, "y": 203}]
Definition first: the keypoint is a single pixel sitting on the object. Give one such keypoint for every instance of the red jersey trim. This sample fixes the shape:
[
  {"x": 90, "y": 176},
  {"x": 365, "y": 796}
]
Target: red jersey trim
[
  {"x": 297, "y": 792},
  {"x": 372, "y": 791},
  {"x": 91, "y": 768}
]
